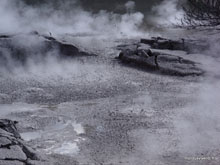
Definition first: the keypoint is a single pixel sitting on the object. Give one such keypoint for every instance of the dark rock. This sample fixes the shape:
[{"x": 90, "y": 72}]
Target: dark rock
[
  {"x": 65, "y": 49},
  {"x": 4, "y": 36},
  {"x": 13, "y": 149},
  {"x": 9, "y": 126},
  {"x": 19, "y": 48},
  {"x": 31, "y": 154},
  {"x": 4, "y": 142},
  {"x": 11, "y": 162},
  {"x": 175, "y": 65},
  {"x": 5, "y": 133},
  {"x": 13, "y": 153},
  {"x": 49, "y": 38},
  {"x": 162, "y": 43},
  {"x": 159, "y": 61},
  {"x": 191, "y": 46},
  {"x": 129, "y": 56}
]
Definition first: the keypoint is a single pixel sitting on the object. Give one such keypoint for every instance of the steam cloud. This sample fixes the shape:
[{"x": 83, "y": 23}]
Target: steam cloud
[
  {"x": 17, "y": 17},
  {"x": 167, "y": 13},
  {"x": 201, "y": 120},
  {"x": 67, "y": 17}
]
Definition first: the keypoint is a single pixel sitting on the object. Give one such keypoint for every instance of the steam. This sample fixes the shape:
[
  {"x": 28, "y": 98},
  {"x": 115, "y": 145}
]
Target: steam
[
  {"x": 167, "y": 13},
  {"x": 130, "y": 6},
  {"x": 69, "y": 17},
  {"x": 197, "y": 126},
  {"x": 19, "y": 18},
  {"x": 9, "y": 20}
]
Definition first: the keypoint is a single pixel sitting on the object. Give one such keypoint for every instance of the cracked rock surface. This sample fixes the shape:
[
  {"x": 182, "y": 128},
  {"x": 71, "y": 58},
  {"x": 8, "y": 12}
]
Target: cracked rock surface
[
  {"x": 178, "y": 44},
  {"x": 148, "y": 55},
  {"x": 13, "y": 150}
]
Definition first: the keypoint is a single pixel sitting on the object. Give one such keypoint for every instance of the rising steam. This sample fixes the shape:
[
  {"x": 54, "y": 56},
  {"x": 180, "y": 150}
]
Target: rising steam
[{"x": 20, "y": 18}]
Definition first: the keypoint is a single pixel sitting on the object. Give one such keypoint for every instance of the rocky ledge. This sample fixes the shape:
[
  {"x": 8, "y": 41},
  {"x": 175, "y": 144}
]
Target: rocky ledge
[
  {"x": 162, "y": 55},
  {"x": 13, "y": 150},
  {"x": 191, "y": 46},
  {"x": 22, "y": 47}
]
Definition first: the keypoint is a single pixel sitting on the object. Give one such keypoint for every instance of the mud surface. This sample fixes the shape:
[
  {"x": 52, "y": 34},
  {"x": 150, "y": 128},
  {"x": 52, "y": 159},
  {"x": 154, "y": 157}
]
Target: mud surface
[{"x": 95, "y": 110}]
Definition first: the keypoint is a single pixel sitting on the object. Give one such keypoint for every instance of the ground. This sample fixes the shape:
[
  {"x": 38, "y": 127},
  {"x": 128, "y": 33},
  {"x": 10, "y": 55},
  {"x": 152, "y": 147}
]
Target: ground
[{"x": 96, "y": 110}]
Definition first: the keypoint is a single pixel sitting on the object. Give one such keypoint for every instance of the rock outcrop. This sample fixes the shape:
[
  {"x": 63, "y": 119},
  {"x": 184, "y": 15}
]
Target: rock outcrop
[
  {"x": 21, "y": 47},
  {"x": 146, "y": 56},
  {"x": 13, "y": 150},
  {"x": 188, "y": 45},
  {"x": 162, "y": 43},
  {"x": 64, "y": 48}
]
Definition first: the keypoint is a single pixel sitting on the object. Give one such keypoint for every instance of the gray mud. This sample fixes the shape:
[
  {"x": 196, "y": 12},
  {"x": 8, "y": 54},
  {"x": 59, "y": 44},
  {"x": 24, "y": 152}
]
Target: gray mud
[{"x": 95, "y": 110}]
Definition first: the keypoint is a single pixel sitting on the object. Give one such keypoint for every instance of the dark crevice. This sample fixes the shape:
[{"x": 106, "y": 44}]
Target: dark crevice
[
  {"x": 156, "y": 62},
  {"x": 29, "y": 154},
  {"x": 19, "y": 160},
  {"x": 9, "y": 138},
  {"x": 180, "y": 60},
  {"x": 160, "y": 61},
  {"x": 15, "y": 140},
  {"x": 8, "y": 146}
]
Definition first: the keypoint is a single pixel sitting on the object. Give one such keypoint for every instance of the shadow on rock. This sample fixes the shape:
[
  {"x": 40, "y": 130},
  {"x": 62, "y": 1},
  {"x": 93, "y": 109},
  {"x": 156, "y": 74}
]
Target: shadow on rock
[
  {"x": 149, "y": 59},
  {"x": 13, "y": 149},
  {"x": 18, "y": 49}
]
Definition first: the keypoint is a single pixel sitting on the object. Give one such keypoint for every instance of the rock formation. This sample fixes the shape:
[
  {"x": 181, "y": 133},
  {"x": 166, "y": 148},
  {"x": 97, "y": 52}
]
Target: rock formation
[
  {"x": 146, "y": 55},
  {"x": 13, "y": 150},
  {"x": 21, "y": 47}
]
